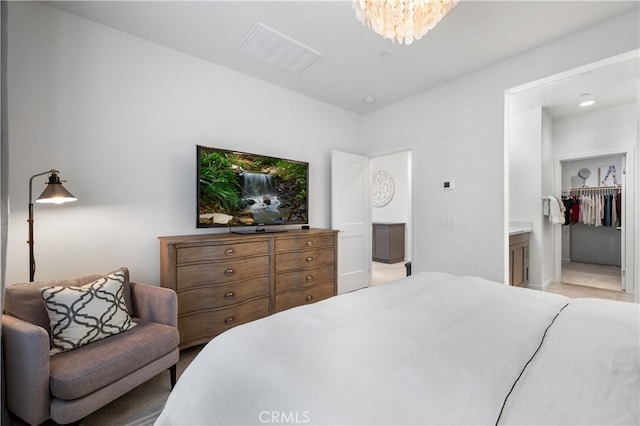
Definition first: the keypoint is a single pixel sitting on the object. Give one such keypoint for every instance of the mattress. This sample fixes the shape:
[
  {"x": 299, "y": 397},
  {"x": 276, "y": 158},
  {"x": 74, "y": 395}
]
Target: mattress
[{"x": 432, "y": 348}]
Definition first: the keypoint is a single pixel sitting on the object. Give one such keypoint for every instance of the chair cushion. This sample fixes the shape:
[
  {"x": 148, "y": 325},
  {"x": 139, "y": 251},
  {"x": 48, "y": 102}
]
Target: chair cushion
[
  {"x": 24, "y": 301},
  {"x": 79, "y": 372},
  {"x": 86, "y": 314}
]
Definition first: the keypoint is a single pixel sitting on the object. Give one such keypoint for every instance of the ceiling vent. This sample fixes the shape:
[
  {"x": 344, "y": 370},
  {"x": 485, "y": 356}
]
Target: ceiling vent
[{"x": 277, "y": 49}]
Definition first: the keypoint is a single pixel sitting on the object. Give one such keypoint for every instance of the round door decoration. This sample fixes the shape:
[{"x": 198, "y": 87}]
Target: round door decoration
[{"x": 382, "y": 189}]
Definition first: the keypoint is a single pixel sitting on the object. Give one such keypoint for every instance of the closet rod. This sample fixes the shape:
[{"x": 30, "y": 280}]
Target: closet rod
[{"x": 597, "y": 188}]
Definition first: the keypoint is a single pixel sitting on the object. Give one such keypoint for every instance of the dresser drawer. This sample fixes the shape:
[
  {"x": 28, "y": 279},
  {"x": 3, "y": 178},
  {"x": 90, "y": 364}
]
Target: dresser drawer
[
  {"x": 203, "y": 326},
  {"x": 203, "y": 274},
  {"x": 220, "y": 252},
  {"x": 222, "y": 295},
  {"x": 298, "y": 279},
  {"x": 304, "y": 259},
  {"x": 309, "y": 242},
  {"x": 304, "y": 296}
]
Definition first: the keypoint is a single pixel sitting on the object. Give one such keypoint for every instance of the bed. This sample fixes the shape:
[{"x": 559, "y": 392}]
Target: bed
[{"x": 432, "y": 348}]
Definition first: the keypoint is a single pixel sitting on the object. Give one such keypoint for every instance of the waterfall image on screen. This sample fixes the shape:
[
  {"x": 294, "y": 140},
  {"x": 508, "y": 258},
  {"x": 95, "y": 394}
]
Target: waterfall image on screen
[{"x": 242, "y": 189}]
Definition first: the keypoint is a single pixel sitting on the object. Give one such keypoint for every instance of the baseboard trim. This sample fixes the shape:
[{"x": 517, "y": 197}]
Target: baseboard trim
[{"x": 540, "y": 287}]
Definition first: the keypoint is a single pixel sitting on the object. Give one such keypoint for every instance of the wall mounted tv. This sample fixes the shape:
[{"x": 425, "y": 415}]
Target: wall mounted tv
[{"x": 250, "y": 190}]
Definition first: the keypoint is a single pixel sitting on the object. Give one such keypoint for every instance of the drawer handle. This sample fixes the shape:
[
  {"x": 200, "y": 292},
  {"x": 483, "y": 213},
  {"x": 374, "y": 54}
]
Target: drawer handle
[
  {"x": 229, "y": 295},
  {"x": 309, "y": 278},
  {"x": 309, "y": 259},
  {"x": 309, "y": 243},
  {"x": 229, "y": 272},
  {"x": 229, "y": 320},
  {"x": 309, "y": 297},
  {"x": 229, "y": 252}
]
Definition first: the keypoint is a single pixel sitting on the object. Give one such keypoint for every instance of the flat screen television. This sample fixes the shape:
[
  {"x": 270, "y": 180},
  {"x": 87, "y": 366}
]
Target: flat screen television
[{"x": 249, "y": 191}]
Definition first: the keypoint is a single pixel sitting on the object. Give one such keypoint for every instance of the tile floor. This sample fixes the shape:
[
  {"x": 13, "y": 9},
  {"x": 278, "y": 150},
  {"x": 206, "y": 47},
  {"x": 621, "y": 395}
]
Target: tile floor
[
  {"x": 383, "y": 273},
  {"x": 590, "y": 280},
  {"x": 578, "y": 280},
  {"x": 606, "y": 277}
]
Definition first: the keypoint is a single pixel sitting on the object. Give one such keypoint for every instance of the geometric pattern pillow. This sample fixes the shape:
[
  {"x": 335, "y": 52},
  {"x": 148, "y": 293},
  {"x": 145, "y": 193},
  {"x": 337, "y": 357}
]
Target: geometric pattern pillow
[{"x": 81, "y": 315}]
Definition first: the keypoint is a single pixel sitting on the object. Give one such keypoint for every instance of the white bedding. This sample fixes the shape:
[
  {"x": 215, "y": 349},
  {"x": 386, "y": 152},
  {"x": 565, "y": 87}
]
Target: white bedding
[{"x": 429, "y": 349}]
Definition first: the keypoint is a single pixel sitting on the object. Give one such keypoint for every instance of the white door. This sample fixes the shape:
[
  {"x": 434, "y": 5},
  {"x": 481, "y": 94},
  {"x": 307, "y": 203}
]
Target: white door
[{"x": 351, "y": 215}]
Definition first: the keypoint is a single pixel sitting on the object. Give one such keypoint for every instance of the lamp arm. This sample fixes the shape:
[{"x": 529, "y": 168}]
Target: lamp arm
[
  {"x": 31, "y": 182},
  {"x": 32, "y": 261}
]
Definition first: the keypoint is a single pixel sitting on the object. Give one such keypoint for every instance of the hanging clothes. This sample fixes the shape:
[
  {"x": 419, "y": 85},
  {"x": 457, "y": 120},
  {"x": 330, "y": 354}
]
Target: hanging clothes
[
  {"x": 575, "y": 210},
  {"x": 600, "y": 206},
  {"x": 569, "y": 203}
]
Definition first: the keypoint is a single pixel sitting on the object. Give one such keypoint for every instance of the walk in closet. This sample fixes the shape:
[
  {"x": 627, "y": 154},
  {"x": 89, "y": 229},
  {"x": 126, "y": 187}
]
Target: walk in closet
[{"x": 592, "y": 241}]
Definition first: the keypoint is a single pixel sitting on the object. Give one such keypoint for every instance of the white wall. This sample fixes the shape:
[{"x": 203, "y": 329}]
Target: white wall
[
  {"x": 606, "y": 130},
  {"x": 398, "y": 210},
  {"x": 457, "y": 132},
  {"x": 531, "y": 177},
  {"x": 570, "y": 168},
  {"x": 525, "y": 182},
  {"x": 547, "y": 254},
  {"x": 120, "y": 118}
]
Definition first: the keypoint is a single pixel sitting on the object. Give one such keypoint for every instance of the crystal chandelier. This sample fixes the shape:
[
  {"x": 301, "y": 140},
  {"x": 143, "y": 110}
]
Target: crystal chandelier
[{"x": 402, "y": 20}]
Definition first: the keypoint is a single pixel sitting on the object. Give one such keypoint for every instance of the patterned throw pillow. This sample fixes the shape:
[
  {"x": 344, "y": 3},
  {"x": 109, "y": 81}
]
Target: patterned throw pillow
[{"x": 81, "y": 315}]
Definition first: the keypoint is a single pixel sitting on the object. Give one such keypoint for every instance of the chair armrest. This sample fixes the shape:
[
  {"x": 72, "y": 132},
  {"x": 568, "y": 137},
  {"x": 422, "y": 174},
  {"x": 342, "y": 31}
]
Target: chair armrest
[
  {"x": 157, "y": 304},
  {"x": 25, "y": 349}
]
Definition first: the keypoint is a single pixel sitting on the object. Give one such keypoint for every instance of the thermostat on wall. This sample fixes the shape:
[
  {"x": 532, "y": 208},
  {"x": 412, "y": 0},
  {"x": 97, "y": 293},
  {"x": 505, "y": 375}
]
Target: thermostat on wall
[{"x": 448, "y": 184}]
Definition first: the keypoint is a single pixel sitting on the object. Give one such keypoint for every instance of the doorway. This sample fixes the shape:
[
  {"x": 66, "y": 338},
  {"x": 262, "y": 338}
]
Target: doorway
[
  {"x": 593, "y": 194},
  {"x": 544, "y": 125},
  {"x": 391, "y": 216}
]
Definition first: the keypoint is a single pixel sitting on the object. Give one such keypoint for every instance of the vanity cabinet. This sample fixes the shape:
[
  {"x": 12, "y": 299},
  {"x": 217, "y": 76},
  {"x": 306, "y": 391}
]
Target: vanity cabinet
[
  {"x": 519, "y": 259},
  {"x": 388, "y": 242},
  {"x": 224, "y": 280}
]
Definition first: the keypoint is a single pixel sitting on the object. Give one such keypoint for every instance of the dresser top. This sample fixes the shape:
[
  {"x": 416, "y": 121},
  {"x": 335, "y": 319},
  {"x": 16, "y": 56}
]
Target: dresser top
[{"x": 177, "y": 239}]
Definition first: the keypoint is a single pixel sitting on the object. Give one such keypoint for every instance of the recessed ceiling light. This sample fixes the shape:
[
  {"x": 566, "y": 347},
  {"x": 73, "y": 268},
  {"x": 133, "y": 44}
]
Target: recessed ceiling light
[
  {"x": 369, "y": 100},
  {"x": 586, "y": 100}
]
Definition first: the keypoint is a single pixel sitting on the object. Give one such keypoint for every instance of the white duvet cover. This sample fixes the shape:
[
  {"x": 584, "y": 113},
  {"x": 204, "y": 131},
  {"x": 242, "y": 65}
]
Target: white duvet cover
[{"x": 429, "y": 349}]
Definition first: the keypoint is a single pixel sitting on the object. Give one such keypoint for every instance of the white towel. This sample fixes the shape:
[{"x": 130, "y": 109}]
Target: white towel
[{"x": 556, "y": 211}]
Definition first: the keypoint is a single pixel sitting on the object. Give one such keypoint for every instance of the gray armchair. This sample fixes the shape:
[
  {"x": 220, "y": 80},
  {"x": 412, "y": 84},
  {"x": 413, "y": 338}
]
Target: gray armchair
[{"x": 68, "y": 386}]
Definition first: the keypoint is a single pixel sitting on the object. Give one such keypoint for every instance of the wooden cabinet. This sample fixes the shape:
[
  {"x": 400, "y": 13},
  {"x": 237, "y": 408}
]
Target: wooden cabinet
[
  {"x": 223, "y": 280},
  {"x": 519, "y": 259},
  {"x": 388, "y": 242}
]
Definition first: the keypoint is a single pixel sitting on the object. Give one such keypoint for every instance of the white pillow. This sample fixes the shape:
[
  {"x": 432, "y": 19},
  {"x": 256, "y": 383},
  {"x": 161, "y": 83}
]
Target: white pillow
[{"x": 81, "y": 315}]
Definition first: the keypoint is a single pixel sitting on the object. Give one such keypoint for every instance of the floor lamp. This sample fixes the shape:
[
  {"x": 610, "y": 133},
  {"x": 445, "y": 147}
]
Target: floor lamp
[{"x": 54, "y": 193}]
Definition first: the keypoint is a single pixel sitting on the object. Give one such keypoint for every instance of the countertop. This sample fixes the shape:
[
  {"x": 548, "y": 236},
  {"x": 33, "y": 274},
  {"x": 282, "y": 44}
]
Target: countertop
[{"x": 516, "y": 228}]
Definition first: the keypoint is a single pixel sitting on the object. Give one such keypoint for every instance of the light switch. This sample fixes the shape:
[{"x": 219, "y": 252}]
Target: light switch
[{"x": 448, "y": 221}]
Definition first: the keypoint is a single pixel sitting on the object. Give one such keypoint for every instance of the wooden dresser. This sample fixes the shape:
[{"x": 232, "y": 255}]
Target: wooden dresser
[{"x": 224, "y": 280}]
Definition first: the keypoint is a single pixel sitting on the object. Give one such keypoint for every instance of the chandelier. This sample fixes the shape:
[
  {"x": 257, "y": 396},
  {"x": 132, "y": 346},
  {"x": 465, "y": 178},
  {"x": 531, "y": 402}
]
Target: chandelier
[{"x": 402, "y": 20}]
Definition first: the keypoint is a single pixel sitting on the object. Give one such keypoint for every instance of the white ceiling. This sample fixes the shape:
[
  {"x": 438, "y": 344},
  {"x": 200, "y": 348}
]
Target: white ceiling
[
  {"x": 474, "y": 35},
  {"x": 610, "y": 84}
]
